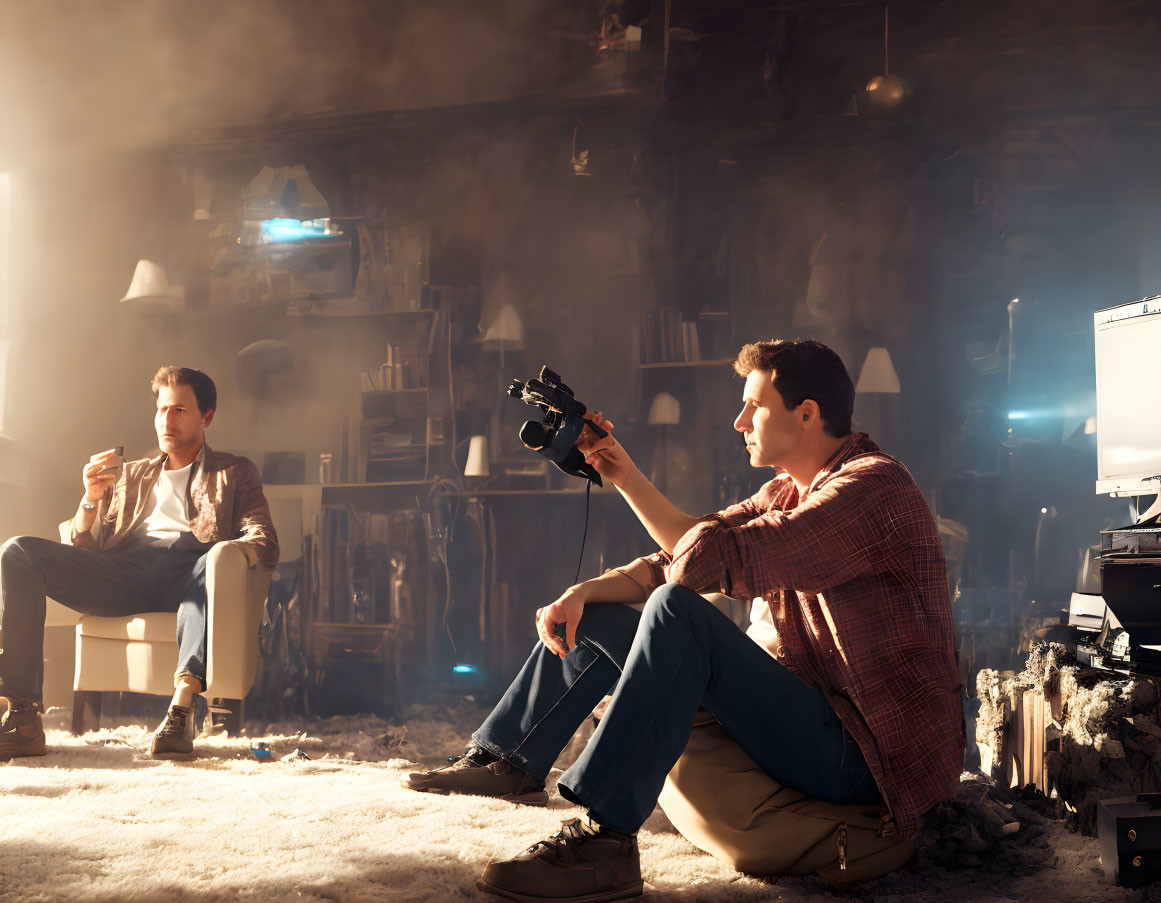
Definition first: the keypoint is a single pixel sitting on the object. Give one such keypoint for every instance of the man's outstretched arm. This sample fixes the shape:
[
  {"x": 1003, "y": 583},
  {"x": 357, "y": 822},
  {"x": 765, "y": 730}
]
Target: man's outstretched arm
[{"x": 665, "y": 522}]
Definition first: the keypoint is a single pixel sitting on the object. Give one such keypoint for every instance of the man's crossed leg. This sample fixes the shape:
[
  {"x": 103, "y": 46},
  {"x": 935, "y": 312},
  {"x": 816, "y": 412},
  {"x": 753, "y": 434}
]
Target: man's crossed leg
[
  {"x": 661, "y": 664},
  {"x": 112, "y": 584}
]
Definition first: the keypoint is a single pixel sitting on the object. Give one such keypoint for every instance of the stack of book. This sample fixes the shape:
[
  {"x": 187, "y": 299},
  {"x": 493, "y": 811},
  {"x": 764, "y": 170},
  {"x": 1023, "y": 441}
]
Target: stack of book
[
  {"x": 405, "y": 368},
  {"x": 664, "y": 337}
]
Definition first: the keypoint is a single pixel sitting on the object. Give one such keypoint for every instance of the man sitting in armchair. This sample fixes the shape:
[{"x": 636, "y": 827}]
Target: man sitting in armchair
[{"x": 137, "y": 543}]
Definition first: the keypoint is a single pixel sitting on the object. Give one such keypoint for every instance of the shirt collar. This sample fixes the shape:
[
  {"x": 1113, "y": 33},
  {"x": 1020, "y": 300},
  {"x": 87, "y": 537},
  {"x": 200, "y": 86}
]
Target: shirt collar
[
  {"x": 854, "y": 444},
  {"x": 199, "y": 461}
]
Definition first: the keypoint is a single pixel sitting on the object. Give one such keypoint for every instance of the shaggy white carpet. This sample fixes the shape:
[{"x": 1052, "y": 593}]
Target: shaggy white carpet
[{"x": 96, "y": 820}]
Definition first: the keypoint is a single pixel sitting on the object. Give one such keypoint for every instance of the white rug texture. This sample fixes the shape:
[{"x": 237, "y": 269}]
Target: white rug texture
[{"x": 96, "y": 820}]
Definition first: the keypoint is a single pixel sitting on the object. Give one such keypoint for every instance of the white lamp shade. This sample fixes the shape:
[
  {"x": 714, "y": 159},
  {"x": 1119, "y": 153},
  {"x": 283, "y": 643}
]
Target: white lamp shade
[
  {"x": 665, "y": 410},
  {"x": 506, "y": 331},
  {"x": 477, "y": 463},
  {"x": 878, "y": 374},
  {"x": 150, "y": 289}
]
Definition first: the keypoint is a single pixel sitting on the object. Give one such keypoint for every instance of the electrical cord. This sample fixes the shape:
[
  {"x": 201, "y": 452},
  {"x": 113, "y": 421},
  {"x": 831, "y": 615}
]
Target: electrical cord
[
  {"x": 585, "y": 534},
  {"x": 436, "y": 497},
  {"x": 451, "y": 392}
]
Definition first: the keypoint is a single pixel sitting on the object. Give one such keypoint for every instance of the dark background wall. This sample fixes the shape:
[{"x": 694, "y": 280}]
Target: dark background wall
[{"x": 736, "y": 166}]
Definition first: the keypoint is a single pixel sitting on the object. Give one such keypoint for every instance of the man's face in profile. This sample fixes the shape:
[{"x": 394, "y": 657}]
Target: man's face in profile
[
  {"x": 180, "y": 425},
  {"x": 771, "y": 431}
]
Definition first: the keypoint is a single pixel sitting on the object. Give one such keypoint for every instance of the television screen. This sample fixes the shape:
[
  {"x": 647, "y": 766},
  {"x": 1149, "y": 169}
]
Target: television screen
[{"x": 1128, "y": 352}]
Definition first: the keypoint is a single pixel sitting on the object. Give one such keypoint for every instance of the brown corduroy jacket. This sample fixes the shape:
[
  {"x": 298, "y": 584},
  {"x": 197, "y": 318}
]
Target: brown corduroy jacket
[{"x": 224, "y": 497}]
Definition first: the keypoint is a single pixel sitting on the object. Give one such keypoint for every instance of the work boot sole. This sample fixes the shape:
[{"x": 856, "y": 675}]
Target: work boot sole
[
  {"x": 26, "y": 752},
  {"x": 175, "y": 756},
  {"x": 621, "y": 893},
  {"x": 535, "y": 798}
]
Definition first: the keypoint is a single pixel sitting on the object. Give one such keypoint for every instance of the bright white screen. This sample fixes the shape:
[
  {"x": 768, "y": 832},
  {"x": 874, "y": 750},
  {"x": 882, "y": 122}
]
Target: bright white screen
[{"x": 1128, "y": 354}]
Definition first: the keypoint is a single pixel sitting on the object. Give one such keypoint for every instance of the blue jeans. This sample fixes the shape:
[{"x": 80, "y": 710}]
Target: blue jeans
[
  {"x": 661, "y": 664},
  {"x": 125, "y": 581}
]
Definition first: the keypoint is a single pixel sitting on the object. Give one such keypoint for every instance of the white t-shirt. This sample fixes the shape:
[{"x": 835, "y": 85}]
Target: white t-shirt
[{"x": 167, "y": 518}]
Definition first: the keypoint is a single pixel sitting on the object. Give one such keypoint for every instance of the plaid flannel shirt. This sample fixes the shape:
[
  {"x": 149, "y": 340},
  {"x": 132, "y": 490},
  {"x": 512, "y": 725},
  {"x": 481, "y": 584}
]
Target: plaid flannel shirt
[{"x": 849, "y": 589}]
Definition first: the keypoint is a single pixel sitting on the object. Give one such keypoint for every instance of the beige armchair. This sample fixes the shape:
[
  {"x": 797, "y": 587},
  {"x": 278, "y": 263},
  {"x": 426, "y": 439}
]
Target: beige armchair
[{"x": 138, "y": 654}]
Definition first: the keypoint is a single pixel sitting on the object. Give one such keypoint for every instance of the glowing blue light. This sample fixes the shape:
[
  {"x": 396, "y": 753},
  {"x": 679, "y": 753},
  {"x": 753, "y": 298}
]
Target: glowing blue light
[
  {"x": 1057, "y": 411},
  {"x": 276, "y": 230},
  {"x": 465, "y": 669}
]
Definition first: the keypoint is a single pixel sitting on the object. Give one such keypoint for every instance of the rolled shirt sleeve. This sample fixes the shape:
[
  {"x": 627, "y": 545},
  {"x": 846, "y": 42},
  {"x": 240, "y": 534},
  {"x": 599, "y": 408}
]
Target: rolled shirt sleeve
[{"x": 832, "y": 536}]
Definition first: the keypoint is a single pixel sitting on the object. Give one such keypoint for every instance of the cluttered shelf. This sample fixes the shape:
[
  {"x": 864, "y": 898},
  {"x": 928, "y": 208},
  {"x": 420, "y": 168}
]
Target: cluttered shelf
[
  {"x": 359, "y": 315},
  {"x": 473, "y": 493},
  {"x": 354, "y": 625},
  {"x": 290, "y": 487},
  {"x": 402, "y": 494}
]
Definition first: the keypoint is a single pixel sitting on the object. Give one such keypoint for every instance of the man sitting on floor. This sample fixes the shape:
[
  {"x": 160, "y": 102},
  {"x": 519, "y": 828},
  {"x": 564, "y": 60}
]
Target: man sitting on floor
[
  {"x": 138, "y": 544},
  {"x": 845, "y": 688}
]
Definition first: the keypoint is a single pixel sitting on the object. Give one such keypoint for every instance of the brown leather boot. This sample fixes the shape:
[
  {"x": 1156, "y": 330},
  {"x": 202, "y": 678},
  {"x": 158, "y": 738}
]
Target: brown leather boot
[
  {"x": 21, "y": 732},
  {"x": 479, "y": 773},
  {"x": 173, "y": 738},
  {"x": 584, "y": 863}
]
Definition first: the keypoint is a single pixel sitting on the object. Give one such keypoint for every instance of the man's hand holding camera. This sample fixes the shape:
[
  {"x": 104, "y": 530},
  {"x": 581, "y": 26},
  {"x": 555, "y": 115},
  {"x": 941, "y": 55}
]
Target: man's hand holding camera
[
  {"x": 665, "y": 522},
  {"x": 606, "y": 456}
]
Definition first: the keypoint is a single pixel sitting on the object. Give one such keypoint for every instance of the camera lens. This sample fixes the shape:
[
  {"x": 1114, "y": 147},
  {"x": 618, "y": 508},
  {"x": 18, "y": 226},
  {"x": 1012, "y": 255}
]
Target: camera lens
[{"x": 533, "y": 435}]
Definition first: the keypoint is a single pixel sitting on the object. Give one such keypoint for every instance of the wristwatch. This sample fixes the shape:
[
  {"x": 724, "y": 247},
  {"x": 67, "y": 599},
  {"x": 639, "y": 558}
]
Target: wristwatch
[{"x": 89, "y": 506}]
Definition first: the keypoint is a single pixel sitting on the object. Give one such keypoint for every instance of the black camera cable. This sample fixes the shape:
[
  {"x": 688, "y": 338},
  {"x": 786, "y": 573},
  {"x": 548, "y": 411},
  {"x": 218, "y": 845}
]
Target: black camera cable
[{"x": 585, "y": 534}]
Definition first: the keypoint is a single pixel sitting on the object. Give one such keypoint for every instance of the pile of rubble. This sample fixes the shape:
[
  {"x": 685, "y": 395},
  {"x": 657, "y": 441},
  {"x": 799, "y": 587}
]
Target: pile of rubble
[
  {"x": 987, "y": 826},
  {"x": 1080, "y": 734}
]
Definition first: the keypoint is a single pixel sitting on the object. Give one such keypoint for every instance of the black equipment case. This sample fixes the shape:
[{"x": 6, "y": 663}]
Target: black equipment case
[{"x": 1129, "y": 830}]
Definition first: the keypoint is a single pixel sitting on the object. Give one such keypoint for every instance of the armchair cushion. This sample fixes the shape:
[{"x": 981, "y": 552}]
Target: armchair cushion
[
  {"x": 139, "y": 653},
  {"x": 57, "y": 615},
  {"x": 154, "y": 627}
]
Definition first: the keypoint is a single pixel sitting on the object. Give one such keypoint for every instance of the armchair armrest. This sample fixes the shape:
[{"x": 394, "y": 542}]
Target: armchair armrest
[{"x": 235, "y": 596}]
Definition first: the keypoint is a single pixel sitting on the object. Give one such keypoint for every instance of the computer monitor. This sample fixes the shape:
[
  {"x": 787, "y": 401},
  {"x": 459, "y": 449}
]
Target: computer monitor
[{"x": 1128, "y": 395}]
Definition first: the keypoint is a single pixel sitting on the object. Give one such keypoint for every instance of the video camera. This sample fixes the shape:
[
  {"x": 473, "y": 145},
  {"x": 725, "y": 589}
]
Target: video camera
[{"x": 555, "y": 435}]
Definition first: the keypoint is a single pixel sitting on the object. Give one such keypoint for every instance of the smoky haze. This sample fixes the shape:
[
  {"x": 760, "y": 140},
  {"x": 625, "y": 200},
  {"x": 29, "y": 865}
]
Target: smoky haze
[
  {"x": 1025, "y": 169},
  {"x": 91, "y": 92},
  {"x": 124, "y": 75}
]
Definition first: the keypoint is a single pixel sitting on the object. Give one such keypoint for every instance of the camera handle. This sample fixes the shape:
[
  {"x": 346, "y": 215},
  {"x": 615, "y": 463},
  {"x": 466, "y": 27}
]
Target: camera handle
[{"x": 596, "y": 429}]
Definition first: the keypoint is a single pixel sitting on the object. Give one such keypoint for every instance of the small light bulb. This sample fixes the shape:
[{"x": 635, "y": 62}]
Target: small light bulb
[
  {"x": 1043, "y": 510},
  {"x": 1015, "y": 300}
]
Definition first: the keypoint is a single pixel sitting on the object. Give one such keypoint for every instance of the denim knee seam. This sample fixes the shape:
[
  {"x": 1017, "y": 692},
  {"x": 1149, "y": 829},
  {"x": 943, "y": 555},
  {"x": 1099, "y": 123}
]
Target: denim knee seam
[{"x": 516, "y": 756}]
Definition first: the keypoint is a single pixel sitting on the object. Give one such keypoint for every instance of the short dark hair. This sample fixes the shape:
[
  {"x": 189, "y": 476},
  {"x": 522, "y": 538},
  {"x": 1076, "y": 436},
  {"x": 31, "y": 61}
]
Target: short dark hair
[
  {"x": 804, "y": 368},
  {"x": 203, "y": 387}
]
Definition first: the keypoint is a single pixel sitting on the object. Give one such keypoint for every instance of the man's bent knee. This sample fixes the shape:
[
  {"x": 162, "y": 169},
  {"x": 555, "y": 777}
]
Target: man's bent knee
[
  {"x": 672, "y": 600},
  {"x": 15, "y": 550},
  {"x": 11, "y": 546},
  {"x": 599, "y": 619}
]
